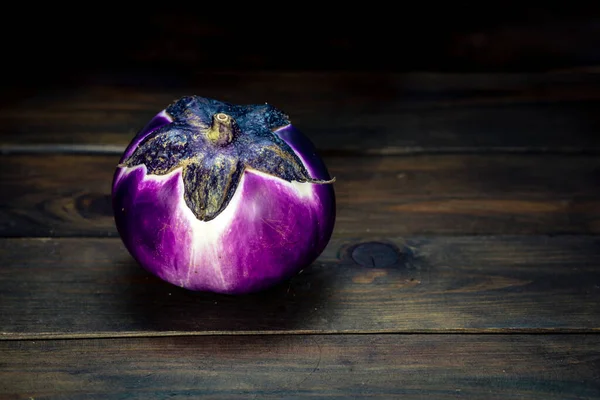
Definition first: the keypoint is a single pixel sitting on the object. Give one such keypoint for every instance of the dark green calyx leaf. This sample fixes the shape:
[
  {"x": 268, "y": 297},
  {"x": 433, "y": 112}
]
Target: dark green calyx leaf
[{"x": 214, "y": 142}]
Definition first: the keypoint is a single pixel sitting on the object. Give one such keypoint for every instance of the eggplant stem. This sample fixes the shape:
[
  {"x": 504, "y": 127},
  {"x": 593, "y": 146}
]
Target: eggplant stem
[{"x": 223, "y": 130}]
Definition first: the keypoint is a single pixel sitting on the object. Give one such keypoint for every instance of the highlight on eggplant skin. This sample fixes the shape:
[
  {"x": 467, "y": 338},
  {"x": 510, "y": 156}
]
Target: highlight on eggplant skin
[{"x": 224, "y": 198}]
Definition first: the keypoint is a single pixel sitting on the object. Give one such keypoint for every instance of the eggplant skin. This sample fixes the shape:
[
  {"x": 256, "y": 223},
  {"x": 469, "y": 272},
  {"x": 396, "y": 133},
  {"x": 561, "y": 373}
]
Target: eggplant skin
[{"x": 269, "y": 231}]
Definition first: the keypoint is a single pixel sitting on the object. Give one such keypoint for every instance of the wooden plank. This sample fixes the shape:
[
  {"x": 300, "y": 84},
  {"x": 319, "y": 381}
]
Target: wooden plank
[
  {"x": 93, "y": 288},
  {"x": 53, "y": 195},
  {"x": 387, "y": 113},
  {"x": 337, "y": 366}
]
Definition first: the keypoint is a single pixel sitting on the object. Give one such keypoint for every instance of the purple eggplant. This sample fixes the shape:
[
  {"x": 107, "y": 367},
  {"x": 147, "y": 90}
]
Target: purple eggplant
[{"x": 212, "y": 196}]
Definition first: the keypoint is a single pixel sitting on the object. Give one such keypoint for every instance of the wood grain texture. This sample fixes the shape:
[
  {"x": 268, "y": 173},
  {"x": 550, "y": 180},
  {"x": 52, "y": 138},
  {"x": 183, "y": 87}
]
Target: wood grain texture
[
  {"x": 379, "y": 113},
  {"x": 340, "y": 366},
  {"x": 69, "y": 195},
  {"x": 93, "y": 288}
]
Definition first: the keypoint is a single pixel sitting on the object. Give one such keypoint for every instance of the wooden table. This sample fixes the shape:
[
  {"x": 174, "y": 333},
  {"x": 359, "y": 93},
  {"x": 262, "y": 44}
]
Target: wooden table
[{"x": 465, "y": 261}]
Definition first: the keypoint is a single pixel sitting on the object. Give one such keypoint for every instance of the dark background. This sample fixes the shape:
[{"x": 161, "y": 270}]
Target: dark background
[{"x": 167, "y": 41}]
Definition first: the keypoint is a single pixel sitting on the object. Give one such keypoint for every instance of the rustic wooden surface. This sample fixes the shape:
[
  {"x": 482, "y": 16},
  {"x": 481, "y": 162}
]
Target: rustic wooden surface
[
  {"x": 298, "y": 366},
  {"x": 465, "y": 261},
  {"x": 69, "y": 195},
  {"x": 76, "y": 287},
  {"x": 346, "y": 112}
]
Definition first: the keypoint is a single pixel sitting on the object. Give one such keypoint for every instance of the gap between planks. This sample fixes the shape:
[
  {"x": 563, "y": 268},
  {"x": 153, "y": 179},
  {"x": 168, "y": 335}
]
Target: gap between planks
[
  {"x": 112, "y": 335},
  {"x": 106, "y": 149}
]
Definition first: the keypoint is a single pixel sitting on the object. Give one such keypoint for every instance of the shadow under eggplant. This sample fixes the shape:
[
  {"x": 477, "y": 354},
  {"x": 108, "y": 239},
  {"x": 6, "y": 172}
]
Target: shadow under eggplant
[{"x": 158, "y": 306}]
